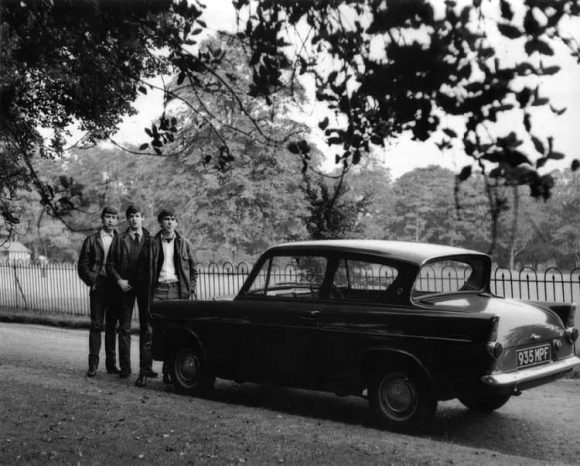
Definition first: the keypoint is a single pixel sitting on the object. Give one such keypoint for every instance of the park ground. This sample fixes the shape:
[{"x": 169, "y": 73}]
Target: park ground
[{"x": 53, "y": 414}]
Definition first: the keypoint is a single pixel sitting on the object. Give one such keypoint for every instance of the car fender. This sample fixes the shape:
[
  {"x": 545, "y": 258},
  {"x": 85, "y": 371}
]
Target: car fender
[
  {"x": 372, "y": 356},
  {"x": 178, "y": 336}
]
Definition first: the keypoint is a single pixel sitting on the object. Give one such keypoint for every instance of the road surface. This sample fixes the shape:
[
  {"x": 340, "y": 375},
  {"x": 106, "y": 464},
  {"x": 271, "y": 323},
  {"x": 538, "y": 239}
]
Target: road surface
[{"x": 52, "y": 413}]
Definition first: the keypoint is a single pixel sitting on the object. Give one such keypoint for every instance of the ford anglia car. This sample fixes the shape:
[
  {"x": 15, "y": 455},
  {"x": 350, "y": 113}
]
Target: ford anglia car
[{"x": 403, "y": 324}]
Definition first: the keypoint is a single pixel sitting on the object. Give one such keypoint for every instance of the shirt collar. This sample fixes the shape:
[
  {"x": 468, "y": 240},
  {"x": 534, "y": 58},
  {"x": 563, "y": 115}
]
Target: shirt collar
[{"x": 104, "y": 233}]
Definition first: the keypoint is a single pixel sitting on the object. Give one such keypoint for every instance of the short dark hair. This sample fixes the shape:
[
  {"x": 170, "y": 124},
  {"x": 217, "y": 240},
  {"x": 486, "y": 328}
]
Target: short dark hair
[
  {"x": 133, "y": 209},
  {"x": 167, "y": 212},
  {"x": 108, "y": 210}
]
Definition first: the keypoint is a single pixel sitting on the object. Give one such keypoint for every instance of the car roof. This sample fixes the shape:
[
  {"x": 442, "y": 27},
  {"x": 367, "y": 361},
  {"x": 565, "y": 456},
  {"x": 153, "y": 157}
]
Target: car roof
[{"x": 416, "y": 253}]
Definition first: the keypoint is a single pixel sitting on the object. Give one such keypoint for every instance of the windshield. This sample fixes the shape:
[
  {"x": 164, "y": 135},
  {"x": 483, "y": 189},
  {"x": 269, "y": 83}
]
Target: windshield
[{"x": 451, "y": 275}]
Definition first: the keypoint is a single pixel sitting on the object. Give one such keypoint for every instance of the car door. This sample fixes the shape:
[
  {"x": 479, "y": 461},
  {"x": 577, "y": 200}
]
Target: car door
[
  {"x": 363, "y": 308},
  {"x": 284, "y": 309}
]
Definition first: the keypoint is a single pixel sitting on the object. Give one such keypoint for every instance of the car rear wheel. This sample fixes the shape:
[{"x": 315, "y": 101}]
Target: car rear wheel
[
  {"x": 484, "y": 402},
  {"x": 402, "y": 401},
  {"x": 190, "y": 373}
]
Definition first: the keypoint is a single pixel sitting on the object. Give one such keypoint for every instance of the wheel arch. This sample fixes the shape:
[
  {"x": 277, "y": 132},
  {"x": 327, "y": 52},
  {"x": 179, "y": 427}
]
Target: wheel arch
[
  {"x": 380, "y": 358},
  {"x": 180, "y": 337}
]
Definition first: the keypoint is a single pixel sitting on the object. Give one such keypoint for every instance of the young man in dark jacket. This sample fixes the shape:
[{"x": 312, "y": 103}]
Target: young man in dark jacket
[
  {"x": 167, "y": 270},
  {"x": 92, "y": 271},
  {"x": 122, "y": 268}
]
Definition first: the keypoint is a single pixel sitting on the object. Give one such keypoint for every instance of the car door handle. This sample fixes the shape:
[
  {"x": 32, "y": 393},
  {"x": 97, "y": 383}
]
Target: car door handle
[{"x": 310, "y": 314}]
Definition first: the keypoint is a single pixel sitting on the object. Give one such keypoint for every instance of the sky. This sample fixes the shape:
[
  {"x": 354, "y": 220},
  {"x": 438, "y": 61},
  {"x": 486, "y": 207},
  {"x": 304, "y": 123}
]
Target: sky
[{"x": 403, "y": 155}]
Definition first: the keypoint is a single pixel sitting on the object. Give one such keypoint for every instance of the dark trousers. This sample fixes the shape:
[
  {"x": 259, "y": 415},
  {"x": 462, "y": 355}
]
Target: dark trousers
[
  {"x": 163, "y": 292},
  {"x": 124, "y": 313},
  {"x": 103, "y": 317}
]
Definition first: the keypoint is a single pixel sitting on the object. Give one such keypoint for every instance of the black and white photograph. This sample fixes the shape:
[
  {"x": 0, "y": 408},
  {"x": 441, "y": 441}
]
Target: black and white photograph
[{"x": 306, "y": 232}]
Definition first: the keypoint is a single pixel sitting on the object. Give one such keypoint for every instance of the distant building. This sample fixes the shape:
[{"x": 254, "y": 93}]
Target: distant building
[{"x": 14, "y": 251}]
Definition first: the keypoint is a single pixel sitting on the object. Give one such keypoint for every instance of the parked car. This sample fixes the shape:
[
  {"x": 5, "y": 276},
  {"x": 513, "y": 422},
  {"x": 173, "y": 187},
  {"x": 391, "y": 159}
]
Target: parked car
[{"x": 403, "y": 324}]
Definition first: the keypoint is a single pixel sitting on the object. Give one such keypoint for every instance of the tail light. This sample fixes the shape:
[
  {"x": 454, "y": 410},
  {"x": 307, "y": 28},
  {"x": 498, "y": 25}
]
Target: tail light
[
  {"x": 571, "y": 334},
  {"x": 494, "y": 348}
]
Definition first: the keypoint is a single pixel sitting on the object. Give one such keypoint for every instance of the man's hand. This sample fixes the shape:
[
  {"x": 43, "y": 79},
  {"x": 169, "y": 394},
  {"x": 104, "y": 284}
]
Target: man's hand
[{"x": 124, "y": 285}]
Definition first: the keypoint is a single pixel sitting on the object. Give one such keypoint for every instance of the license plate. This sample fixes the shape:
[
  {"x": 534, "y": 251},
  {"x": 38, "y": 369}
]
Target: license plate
[{"x": 533, "y": 356}]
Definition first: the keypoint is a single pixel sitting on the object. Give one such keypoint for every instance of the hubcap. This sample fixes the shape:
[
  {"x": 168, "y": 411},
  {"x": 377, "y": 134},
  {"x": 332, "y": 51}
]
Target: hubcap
[
  {"x": 399, "y": 397},
  {"x": 187, "y": 368}
]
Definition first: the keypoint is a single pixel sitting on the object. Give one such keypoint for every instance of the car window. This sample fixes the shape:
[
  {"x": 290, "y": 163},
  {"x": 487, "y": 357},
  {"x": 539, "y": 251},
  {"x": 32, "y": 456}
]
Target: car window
[
  {"x": 445, "y": 276},
  {"x": 299, "y": 277},
  {"x": 359, "y": 280}
]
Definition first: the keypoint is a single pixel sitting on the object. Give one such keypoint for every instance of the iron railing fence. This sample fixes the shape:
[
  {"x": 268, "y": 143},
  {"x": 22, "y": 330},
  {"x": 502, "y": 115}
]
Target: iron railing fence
[{"x": 56, "y": 287}]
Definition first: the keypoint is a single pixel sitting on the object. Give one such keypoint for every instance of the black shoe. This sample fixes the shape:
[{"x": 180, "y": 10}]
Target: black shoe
[
  {"x": 113, "y": 370},
  {"x": 149, "y": 373},
  {"x": 92, "y": 372},
  {"x": 167, "y": 379},
  {"x": 140, "y": 382},
  {"x": 124, "y": 374}
]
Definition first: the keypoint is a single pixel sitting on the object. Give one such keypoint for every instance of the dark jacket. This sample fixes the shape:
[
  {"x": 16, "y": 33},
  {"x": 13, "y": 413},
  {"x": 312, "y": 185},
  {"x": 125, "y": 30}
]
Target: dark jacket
[
  {"x": 119, "y": 264},
  {"x": 151, "y": 261},
  {"x": 92, "y": 257}
]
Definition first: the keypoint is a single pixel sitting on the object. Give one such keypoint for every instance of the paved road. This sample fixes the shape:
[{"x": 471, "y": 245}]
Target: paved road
[{"x": 542, "y": 425}]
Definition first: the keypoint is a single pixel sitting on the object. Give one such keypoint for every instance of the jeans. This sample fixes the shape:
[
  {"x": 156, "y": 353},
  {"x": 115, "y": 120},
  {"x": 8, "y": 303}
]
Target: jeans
[
  {"x": 162, "y": 292},
  {"x": 103, "y": 317}
]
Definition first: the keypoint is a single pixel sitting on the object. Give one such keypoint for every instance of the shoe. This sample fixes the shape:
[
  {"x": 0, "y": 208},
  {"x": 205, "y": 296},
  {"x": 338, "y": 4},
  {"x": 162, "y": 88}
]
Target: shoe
[
  {"x": 92, "y": 372},
  {"x": 140, "y": 382},
  {"x": 113, "y": 370},
  {"x": 167, "y": 379},
  {"x": 124, "y": 374},
  {"x": 149, "y": 373}
]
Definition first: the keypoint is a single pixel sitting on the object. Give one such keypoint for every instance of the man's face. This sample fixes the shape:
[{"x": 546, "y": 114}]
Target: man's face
[
  {"x": 168, "y": 225},
  {"x": 135, "y": 220},
  {"x": 109, "y": 221}
]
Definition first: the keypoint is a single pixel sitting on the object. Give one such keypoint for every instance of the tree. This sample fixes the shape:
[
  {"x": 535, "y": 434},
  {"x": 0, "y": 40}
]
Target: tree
[
  {"x": 82, "y": 61},
  {"x": 395, "y": 67}
]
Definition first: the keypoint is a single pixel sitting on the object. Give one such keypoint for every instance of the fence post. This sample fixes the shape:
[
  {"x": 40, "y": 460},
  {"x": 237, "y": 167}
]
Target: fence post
[{"x": 17, "y": 281}]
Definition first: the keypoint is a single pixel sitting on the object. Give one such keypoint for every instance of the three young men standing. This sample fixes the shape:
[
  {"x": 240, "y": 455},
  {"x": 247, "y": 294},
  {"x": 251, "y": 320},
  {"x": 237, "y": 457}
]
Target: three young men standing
[{"x": 139, "y": 267}]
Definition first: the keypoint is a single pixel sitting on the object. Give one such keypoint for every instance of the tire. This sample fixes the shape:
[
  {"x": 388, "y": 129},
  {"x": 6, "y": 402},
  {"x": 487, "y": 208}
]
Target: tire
[
  {"x": 401, "y": 401},
  {"x": 190, "y": 374},
  {"x": 484, "y": 402}
]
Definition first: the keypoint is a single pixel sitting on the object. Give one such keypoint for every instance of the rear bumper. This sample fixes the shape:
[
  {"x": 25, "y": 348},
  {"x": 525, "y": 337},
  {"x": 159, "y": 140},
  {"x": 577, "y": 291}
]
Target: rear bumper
[{"x": 533, "y": 374}]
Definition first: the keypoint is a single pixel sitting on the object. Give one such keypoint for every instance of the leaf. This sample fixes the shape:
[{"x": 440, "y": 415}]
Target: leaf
[
  {"x": 527, "y": 122},
  {"x": 538, "y": 145},
  {"x": 523, "y": 97},
  {"x": 323, "y": 124},
  {"x": 550, "y": 70},
  {"x": 142, "y": 89},
  {"x": 575, "y": 165},
  {"x": 506, "y": 10},
  {"x": 558, "y": 111},
  {"x": 144, "y": 146},
  {"x": 556, "y": 156},
  {"x": 537, "y": 45},
  {"x": 293, "y": 147},
  {"x": 509, "y": 31},
  {"x": 449, "y": 132},
  {"x": 464, "y": 174}
]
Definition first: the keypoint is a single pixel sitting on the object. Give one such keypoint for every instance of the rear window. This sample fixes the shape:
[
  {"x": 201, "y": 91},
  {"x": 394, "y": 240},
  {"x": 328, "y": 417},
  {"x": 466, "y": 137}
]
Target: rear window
[{"x": 449, "y": 276}]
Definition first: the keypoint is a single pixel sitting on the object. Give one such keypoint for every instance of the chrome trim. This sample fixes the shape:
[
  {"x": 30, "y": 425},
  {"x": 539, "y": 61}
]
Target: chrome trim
[{"x": 533, "y": 373}]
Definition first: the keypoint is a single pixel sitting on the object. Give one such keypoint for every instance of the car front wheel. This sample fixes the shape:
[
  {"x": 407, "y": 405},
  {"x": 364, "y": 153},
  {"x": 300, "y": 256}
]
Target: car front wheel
[
  {"x": 484, "y": 402},
  {"x": 401, "y": 401},
  {"x": 191, "y": 375}
]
